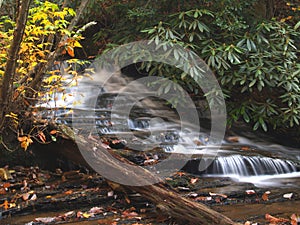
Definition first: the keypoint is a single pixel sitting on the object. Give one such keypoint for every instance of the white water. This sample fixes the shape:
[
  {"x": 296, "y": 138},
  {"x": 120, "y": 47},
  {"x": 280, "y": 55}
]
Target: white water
[
  {"x": 251, "y": 165},
  {"x": 232, "y": 163},
  {"x": 275, "y": 180}
]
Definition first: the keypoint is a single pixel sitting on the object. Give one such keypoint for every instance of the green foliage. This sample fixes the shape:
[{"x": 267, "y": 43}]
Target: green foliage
[
  {"x": 256, "y": 62},
  {"x": 254, "y": 57}
]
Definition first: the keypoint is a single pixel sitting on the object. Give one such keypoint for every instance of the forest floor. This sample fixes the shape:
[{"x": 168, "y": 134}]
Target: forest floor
[{"x": 31, "y": 196}]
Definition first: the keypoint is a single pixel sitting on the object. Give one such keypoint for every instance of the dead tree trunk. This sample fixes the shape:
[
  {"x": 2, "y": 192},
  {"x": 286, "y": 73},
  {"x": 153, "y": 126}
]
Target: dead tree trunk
[{"x": 183, "y": 210}]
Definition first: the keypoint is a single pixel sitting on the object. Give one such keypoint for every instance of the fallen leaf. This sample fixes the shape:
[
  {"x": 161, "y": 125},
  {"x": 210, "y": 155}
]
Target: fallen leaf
[
  {"x": 295, "y": 219},
  {"x": 288, "y": 195},
  {"x": 275, "y": 220},
  {"x": 250, "y": 192},
  {"x": 45, "y": 219},
  {"x": 5, "y": 205},
  {"x": 194, "y": 180},
  {"x": 110, "y": 193},
  {"x": 25, "y": 141},
  {"x": 69, "y": 214},
  {"x": 5, "y": 174},
  {"x": 265, "y": 196},
  {"x": 42, "y": 136},
  {"x": 217, "y": 194},
  {"x": 33, "y": 197},
  {"x": 129, "y": 214},
  {"x": 86, "y": 215},
  {"x": 203, "y": 198},
  {"x": 25, "y": 196},
  {"x": 69, "y": 192},
  {"x": 96, "y": 210},
  {"x": 53, "y": 132},
  {"x": 2, "y": 191}
]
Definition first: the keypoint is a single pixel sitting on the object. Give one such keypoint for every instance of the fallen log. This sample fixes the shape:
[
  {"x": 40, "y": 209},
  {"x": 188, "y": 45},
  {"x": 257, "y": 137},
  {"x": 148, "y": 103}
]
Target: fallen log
[{"x": 167, "y": 201}]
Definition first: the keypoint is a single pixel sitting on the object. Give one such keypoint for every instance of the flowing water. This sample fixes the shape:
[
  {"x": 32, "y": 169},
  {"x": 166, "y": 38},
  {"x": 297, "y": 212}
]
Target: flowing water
[{"x": 152, "y": 124}]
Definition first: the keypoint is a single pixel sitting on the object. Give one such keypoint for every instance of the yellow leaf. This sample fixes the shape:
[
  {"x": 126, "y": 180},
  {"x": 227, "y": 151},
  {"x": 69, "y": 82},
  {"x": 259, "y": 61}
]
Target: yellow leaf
[
  {"x": 5, "y": 174},
  {"x": 86, "y": 215},
  {"x": 25, "y": 141},
  {"x": 77, "y": 44}
]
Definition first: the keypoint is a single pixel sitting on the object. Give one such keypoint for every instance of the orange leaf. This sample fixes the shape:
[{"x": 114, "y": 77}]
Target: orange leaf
[
  {"x": 5, "y": 205},
  {"x": 25, "y": 141},
  {"x": 70, "y": 51},
  {"x": 275, "y": 220},
  {"x": 265, "y": 197},
  {"x": 42, "y": 136},
  {"x": 295, "y": 219},
  {"x": 53, "y": 132},
  {"x": 21, "y": 139},
  {"x": 2, "y": 191},
  {"x": 68, "y": 192},
  {"x": 6, "y": 185}
]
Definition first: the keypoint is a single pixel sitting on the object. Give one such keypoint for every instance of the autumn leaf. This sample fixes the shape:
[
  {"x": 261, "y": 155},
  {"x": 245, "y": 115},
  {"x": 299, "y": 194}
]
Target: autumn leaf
[
  {"x": 68, "y": 192},
  {"x": 25, "y": 141},
  {"x": 70, "y": 51},
  {"x": 5, "y": 174},
  {"x": 217, "y": 194},
  {"x": 265, "y": 196},
  {"x": 194, "y": 180},
  {"x": 275, "y": 220},
  {"x": 250, "y": 192},
  {"x": 42, "y": 136},
  {"x": 295, "y": 219},
  {"x": 77, "y": 44},
  {"x": 2, "y": 191},
  {"x": 5, "y": 205},
  {"x": 86, "y": 215},
  {"x": 53, "y": 132},
  {"x": 288, "y": 195},
  {"x": 129, "y": 214},
  {"x": 6, "y": 185}
]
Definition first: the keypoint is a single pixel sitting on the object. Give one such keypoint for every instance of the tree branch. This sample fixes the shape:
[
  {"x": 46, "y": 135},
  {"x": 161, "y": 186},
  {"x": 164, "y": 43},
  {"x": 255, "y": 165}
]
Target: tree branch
[
  {"x": 52, "y": 56},
  {"x": 7, "y": 83}
]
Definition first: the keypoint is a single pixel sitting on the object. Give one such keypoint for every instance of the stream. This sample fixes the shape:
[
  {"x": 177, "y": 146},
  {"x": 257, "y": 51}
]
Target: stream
[
  {"x": 245, "y": 161},
  {"x": 150, "y": 123}
]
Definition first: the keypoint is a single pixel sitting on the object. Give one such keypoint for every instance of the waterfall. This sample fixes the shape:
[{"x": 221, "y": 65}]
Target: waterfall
[{"x": 250, "y": 165}]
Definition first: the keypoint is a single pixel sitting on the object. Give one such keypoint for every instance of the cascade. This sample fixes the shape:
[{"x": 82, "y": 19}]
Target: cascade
[
  {"x": 158, "y": 126},
  {"x": 251, "y": 165}
]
